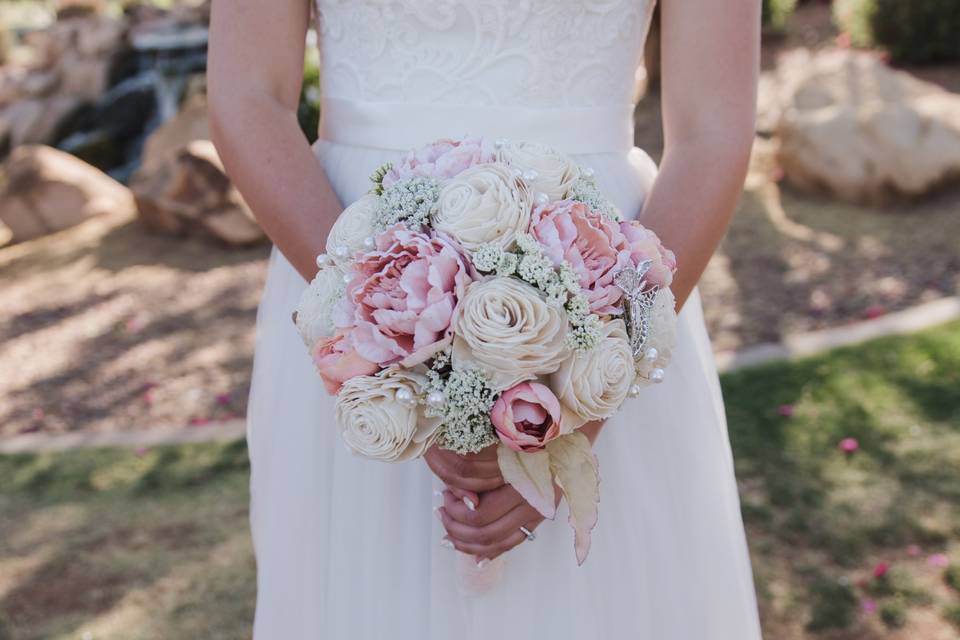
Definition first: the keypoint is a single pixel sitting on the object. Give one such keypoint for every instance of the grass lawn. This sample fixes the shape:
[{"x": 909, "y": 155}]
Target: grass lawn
[{"x": 153, "y": 544}]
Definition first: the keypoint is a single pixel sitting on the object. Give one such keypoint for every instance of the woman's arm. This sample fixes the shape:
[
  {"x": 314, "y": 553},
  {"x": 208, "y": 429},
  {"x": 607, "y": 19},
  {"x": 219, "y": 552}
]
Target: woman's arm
[
  {"x": 255, "y": 71},
  {"x": 710, "y": 60}
]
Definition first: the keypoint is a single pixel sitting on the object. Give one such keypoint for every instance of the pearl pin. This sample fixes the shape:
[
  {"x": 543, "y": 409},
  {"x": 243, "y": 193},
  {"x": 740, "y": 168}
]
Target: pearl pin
[
  {"x": 657, "y": 375},
  {"x": 634, "y": 390},
  {"x": 323, "y": 261},
  {"x": 651, "y": 354},
  {"x": 436, "y": 399}
]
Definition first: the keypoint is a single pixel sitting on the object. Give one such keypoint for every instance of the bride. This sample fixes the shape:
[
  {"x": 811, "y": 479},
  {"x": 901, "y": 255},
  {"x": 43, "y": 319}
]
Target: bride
[{"x": 349, "y": 549}]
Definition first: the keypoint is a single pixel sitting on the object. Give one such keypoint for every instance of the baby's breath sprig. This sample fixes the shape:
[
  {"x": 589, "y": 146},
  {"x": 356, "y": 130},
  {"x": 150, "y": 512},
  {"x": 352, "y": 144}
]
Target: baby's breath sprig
[
  {"x": 585, "y": 190},
  {"x": 411, "y": 201},
  {"x": 465, "y": 410},
  {"x": 377, "y": 177}
]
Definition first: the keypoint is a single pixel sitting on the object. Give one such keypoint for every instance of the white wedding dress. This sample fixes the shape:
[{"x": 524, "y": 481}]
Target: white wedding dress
[{"x": 347, "y": 548}]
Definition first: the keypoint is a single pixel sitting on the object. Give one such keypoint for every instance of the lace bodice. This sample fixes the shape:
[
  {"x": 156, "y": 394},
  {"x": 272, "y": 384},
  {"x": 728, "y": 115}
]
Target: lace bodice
[{"x": 504, "y": 53}]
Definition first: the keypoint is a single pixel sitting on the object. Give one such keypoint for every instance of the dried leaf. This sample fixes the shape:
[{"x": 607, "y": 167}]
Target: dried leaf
[
  {"x": 529, "y": 473},
  {"x": 573, "y": 463}
]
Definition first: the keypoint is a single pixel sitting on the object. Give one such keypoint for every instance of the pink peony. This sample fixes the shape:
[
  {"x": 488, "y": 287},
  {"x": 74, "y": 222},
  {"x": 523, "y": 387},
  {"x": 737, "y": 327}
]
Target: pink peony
[
  {"x": 526, "y": 416},
  {"x": 442, "y": 159},
  {"x": 399, "y": 304},
  {"x": 337, "y": 361},
  {"x": 591, "y": 244},
  {"x": 645, "y": 245}
]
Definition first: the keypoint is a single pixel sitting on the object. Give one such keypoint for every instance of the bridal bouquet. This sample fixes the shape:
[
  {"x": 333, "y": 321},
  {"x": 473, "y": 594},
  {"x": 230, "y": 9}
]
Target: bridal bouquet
[{"x": 489, "y": 294}]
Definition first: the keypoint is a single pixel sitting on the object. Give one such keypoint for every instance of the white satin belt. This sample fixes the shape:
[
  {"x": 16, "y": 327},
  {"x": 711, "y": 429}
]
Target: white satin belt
[{"x": 402, "y": 125}]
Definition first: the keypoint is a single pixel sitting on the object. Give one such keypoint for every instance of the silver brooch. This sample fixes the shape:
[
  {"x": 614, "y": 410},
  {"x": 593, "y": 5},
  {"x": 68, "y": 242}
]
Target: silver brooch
[{"x": 638, "y": 299}]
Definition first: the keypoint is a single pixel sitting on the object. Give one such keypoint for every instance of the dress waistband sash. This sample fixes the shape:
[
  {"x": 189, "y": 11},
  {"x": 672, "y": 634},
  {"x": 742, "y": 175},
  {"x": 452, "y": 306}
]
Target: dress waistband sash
[{"x": 403, "y": 125}]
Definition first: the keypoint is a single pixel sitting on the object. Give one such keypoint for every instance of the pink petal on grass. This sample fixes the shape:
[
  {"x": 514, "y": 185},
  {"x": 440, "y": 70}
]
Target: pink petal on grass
[
  {"x": 881, "y": 569},
  {"x": 938, "y": 560},
  {"x": 848, "y": 445},
  {"x": 869, "y": 605},
  {"x": 785, "y": 410}
]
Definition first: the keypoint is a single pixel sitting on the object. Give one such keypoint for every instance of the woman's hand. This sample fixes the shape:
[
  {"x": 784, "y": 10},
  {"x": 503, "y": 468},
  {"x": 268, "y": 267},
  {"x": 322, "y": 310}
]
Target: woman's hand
[
  {"x": 493, "y": 527},
  {"x": 466, "y": 476},
  {"x": 489, "y": 524}
]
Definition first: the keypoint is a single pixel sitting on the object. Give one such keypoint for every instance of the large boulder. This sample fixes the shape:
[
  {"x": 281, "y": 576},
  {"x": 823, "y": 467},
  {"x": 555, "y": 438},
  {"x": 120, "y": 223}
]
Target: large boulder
[
  {"x": 850, "y": 125},
  {"x": 189, "y": 194},
  {"x": 43, "y": 190},
  {"x": 175, "y": 134}
]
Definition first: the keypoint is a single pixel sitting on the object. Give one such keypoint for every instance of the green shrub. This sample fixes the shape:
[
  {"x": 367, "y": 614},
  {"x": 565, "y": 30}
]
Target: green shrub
[
  {"x": 952, "y": 615},
  {"x": 918, "y": 31},
  {"x": 833, "y": 605},
  {"x": 951, "y": 576},
  {"x": 894, "y": 613},
  {"x": 777, "y": 12},
  {"x": 308, "y": 112}
]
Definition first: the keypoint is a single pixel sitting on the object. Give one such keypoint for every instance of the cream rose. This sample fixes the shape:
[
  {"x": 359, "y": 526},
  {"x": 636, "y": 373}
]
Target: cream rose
[
  {"x": 591, "y": 385},
  {"x": 485, "y": 203},
  {"x": 662, "y": 337},
  {"x": 352, "y": 228},
  {"x": 314, "y": 311},
  {"x": 376, "y": 423},
  {"x": 554, "y": 172},
  {"x": 505, "y": 327}
]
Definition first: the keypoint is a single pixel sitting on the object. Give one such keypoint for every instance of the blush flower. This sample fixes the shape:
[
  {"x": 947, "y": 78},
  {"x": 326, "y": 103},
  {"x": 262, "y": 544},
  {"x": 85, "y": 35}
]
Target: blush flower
[
  {"x": 526, "y": 416},
  {"x": 643, "y": 244},
  {"x": 337, "y": 361},
  {"x": 399, "y": 304},
  {"x": 849, "y": 446},
  {"x": 594, "y": 246},
  {"x": 441, "y": 160}
]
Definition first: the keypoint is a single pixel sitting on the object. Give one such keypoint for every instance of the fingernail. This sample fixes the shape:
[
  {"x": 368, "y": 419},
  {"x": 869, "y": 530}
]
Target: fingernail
[
  {"x": 437, "y": 493},
  {"x": 436, "y": 512},
  {"x": 467, "y": 501},
  {"x": 445, "y": 543},
  {"x": 482, "y": 563}
]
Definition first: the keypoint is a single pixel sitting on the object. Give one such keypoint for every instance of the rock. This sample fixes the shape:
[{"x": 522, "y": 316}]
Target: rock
[
  {"x": 189, "y": 193},
  {"x": 36, "y": 121},
  {"x": 101, "y": 37},
  {"x": 174, "y": 135},
  {"x": 850, "y": 125},
  {"x": 86, "y": 78},
  {"x": 46, "y": 190}
]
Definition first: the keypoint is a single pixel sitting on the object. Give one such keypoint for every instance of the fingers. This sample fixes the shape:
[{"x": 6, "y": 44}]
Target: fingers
[
  {"x": 466, "y": 474},
  {"x": 467, "y": 499},
  {"x": 492, "y": 540},
  {"x": 492, "y": 506},
  {"x": 489, "y": 552}
]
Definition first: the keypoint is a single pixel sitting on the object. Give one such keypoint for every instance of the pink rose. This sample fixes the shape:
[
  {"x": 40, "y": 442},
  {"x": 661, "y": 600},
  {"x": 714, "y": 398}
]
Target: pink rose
[
  {"x": 526, "y": 416},
  {"x": 399, "y": 304},
  {"x": 594, "y": 246},
  {"x": 442, "y": 159},
  {"x": 645, "y": 245},
  {"x": 337, "y": 361}
]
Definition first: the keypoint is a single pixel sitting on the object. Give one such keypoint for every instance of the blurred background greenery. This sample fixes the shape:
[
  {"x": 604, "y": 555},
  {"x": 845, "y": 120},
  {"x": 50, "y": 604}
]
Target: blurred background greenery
[{"x": 131, "y": 270}]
